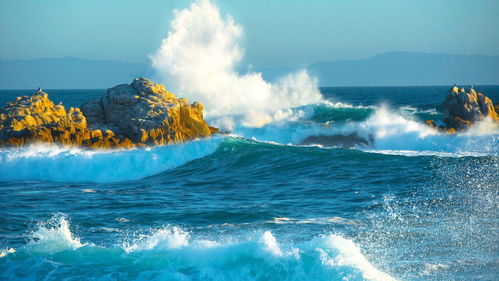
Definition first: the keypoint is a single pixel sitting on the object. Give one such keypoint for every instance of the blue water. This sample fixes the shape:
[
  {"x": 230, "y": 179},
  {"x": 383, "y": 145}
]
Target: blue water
[{"x": 254, "y": 205}]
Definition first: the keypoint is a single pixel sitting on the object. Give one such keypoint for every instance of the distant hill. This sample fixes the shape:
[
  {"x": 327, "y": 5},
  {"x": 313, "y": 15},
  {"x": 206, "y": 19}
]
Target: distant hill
[
  {"x": 68, "y": 73},
  {"x": 409, "y": 69},
  {"x": 392, "y": 69}
]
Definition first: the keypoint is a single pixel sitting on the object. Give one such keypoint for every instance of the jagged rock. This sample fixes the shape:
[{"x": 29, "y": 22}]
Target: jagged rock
[
  {"x": 146, "y": 113},
  {"x": 440, "y": 128},
  {"x": 462, "y": 109},
  {"x": 126, "y": 116}
]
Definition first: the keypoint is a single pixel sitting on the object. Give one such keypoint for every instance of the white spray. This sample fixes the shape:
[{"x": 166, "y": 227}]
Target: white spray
[{"x": 198, "y": 59}]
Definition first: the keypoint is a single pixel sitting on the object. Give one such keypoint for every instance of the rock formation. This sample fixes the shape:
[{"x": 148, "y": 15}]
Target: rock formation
[
  {"x": 462, "y": 109},
  {"x": 142, "y": 113},
  {"x": 346, "y": 141}
]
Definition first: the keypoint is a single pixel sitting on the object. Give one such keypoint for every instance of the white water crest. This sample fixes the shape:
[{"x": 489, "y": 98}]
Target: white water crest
[
  {"x": 53, "y": 236},
  {"x": 70, "y": 164},
  {"x": 173, "y": 253},
  {"x": 389, "y": 131},
  {"x": 392, "y": 131},
  {"x": 349, "y": 254},
  {"x": 199, "y": 58}
]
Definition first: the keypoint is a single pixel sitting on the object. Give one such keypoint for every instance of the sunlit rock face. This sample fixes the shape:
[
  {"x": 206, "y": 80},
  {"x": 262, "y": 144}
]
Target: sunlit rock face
[
  {"x": 128, "y": 115},
  {"x": 462, "y": 109},
  {"x": 146, "y": 113}
]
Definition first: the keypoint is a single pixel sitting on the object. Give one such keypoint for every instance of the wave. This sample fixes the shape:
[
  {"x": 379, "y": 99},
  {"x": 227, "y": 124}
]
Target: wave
[
  {"x": 327, "y": 220},
  {"x": 70, "y": 164},
  {"x": 338, "y": 104},
  {"x": 173, "y": 253},
  {"x": 414, "y": 110},
  {"x": 404, "y": 108},
  {"x": 394, "y": 132},
  {"x": 390, "y": 132}
]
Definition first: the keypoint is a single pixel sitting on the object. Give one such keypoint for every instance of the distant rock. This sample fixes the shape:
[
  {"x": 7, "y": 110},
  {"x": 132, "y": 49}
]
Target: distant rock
[
  {"x": 462, "y": 109},
  {"x": 346, "y": 141},
  {"x": 142, "y": 113}
]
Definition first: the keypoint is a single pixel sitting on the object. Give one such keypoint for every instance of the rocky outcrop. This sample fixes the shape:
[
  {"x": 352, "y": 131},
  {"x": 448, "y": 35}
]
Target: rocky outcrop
[
  {"x": 462, "y": 109},
  {"x": 146, "y": 113},
  {"x": 128, "y": 115}
]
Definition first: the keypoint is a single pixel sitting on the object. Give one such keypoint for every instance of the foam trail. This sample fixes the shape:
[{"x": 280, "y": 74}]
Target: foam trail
[
  {"x": 65, "y": 164},
  {"x": 199, "y": 58}
]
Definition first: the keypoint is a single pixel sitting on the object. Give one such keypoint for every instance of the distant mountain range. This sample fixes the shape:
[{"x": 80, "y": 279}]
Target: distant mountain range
[
  {"x": 391, "y": 69},
  {"x": 68, "y": 73},
  {"x": 414, "y": 69}
]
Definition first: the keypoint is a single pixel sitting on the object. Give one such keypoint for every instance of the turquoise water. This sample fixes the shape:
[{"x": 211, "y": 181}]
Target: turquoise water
[{"x": 255, "y": 205}]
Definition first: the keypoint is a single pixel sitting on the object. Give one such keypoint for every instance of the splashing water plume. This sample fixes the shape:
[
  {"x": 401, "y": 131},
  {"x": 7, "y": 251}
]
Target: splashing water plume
[{"x": 199, "y": 58}]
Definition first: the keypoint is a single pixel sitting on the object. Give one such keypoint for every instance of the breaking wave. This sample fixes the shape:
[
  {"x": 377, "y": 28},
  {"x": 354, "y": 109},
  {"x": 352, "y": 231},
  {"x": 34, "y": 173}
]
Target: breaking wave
[
  {"x": 390, "y": 131},
  {"x": 173, "y": 253},
  {"x": 71, "y": 164}
]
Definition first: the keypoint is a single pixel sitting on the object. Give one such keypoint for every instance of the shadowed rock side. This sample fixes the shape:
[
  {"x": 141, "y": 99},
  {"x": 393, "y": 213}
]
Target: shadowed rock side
[
  {"x": 463, "y": 109},
  {"x": 142, "y": 113},
  {"x": 346, "y": 141}
]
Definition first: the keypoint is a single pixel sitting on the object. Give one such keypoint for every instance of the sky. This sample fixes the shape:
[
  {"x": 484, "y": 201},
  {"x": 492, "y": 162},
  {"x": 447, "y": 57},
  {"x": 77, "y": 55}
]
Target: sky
[{"x": 276, "y": 33}]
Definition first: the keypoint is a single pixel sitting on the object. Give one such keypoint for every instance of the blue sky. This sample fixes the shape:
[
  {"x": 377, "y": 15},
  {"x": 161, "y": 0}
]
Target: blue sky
[{"x": 278, "y": 32}]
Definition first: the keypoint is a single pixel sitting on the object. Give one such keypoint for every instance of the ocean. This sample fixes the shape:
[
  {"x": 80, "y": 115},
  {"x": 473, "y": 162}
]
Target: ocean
[{"x": 256, "y": 205}]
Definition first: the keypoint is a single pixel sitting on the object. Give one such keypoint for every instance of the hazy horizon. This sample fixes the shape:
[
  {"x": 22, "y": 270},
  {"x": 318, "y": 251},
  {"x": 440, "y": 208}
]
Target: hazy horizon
[
  {"x": 273, "y": 34},
  {"x": 389, "y": 69}
]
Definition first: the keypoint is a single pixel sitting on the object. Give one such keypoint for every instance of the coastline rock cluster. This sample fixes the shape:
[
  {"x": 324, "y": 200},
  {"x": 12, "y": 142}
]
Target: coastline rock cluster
[
  {"x": 463, "y": 109},
  {"x": 144, "y": 113},
  {"x": 128, "y": 115}
]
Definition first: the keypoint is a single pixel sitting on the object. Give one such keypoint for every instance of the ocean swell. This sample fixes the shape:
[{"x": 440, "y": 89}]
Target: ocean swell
[{"x": 71, "y": 164}]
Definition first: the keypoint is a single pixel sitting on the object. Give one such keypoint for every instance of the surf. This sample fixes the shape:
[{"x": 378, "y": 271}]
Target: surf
[
  {"x": 43, "y": 162},
  {"x": 173, "y": 253}
]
